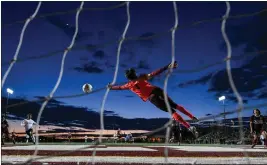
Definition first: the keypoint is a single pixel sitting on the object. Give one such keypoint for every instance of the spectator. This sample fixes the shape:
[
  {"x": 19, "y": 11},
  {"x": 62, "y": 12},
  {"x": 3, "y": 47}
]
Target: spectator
[
  {"x": 175, "y": 133},
  {"x": 69, "y": 136},
  {"x": 119, "y": 134},
  {"x": 85, "y": 138},
  {"x": 4, "y": 130}
]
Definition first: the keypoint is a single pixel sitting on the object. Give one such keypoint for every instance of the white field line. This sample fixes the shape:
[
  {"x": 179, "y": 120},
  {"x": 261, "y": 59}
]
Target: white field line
[
  {"x": 75, "y": 147},
  {"x": 120, "y": 159}
]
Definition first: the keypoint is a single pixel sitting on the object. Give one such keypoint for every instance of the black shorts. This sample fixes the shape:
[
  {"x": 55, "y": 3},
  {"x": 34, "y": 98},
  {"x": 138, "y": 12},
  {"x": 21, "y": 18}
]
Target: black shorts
[
  {"x": 157, "y": 98},
  {"x": 29, "y": 132}
]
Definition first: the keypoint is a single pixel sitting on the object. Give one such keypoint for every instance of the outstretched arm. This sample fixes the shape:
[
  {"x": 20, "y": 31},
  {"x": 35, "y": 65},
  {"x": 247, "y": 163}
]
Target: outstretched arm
[
  {"x": 121, "y": 87},
  {"x": 159, "y": 71},
  {"x": 34, "y": 123}
]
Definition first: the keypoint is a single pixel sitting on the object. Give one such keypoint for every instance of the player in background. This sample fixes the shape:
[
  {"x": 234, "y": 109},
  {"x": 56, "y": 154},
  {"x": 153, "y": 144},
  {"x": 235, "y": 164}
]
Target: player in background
[
  {"x": 69, "y": 137},
  {"x": 257, "y": 122},
  {"x": 129, "y": 138},
  {"x": 176, "y": 136},
  {"x": 13, "y": 136},
  {"x": 85, "y": 138},
  {"x": 28, "y": 124},
  {"x": 119, "y": 134},
  {"x": 140, "y": 86},
  {"x": 4, "y": 130}
]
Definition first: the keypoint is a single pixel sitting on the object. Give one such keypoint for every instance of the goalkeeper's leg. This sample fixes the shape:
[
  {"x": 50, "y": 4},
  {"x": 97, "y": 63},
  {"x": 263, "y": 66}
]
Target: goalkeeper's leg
[
  {"x": 157, "y": 98},
  {"x": 159, "y": 93}
]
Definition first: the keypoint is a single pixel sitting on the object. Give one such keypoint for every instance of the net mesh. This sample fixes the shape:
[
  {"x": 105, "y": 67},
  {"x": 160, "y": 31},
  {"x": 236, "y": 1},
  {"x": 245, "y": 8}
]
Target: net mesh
[
  {"x": 20, "y": 42},
  {"x": 59, "y": 77},
  {"x": 167, "y": 137},
  {"x": 120, "y": 42},
  {"x": 114, "y": 78},
  {"x": 229, "y": 73}
]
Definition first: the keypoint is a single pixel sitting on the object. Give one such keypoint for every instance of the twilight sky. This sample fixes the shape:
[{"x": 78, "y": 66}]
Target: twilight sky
[{"x": 195, "y": 46}]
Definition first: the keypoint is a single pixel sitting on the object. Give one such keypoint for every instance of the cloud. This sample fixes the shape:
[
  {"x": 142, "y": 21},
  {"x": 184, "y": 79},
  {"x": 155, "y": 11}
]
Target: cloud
[
  {"x": 85, "y": 58},
  {"x": 109, "y": 65},
  {"x": 262, "y": 95},
  {"x": 124, "y": 65},
  {"x": 148, "y": 41},
  {"x": 64, "y": 118},
  {"x": 91, "y": 47},
  {"x": 54, "y": 115},
  {"x": 14, "y": 117},
  {"x": 129, "y": 48},
  {"x": 91, "y": 67},
  {"x": 76, "y": 124},
  {"x": 110, "y": 113},
  {"x": 99, "y": 54},
  {"x": 59, "y": 118},
  {"x": 147, "y": 46},
  {"x": 202, "y": 80},
  {"x": 250, "y": 80},
  {"x": 51, "y": 101},
  {"x": 142, "y": 64},
  {"x": 251, "y": 34}
]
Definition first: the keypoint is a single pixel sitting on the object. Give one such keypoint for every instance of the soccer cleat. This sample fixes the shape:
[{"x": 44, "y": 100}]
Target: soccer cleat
[{"x": 194, "y": 131}]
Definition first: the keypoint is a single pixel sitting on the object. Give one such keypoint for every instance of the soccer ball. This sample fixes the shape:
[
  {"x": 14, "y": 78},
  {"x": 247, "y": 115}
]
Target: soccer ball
[{"x": 87, "y": 88}]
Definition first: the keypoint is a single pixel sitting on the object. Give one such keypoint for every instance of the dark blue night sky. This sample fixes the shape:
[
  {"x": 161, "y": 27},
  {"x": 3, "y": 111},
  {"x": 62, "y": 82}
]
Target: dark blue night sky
[{"x": 195, "y": 46}]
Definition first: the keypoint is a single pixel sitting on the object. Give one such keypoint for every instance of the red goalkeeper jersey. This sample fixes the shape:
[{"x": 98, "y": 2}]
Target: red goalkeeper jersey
[{"x": 141, "y": 86}]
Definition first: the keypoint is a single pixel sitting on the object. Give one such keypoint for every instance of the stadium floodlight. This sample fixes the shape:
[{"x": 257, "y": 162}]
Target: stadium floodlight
[
  {"x": 9, "y": 91},
  {"x": 222, "y": 98}
]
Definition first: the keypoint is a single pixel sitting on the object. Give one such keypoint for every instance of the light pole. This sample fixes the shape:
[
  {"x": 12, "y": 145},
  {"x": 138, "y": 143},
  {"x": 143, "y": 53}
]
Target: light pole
[
  {"x": 180, "y": 134},
  {"x": 222, "y": 98},
  {"x": 210, "y": 123},
  {"x": 9, "y": 92}
]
